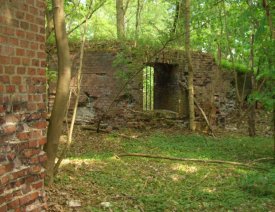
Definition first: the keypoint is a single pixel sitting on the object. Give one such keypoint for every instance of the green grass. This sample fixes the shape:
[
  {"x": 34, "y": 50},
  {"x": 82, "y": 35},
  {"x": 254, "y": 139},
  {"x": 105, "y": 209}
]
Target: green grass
[{"x": 142, "y": 184}]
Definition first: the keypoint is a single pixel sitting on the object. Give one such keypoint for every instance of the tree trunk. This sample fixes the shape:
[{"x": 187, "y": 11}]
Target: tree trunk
[
  {"x": 190, "y": 67},
  {"x": 120, "y": 19},
  {"x": 62, "y": 90},
  {"x": 138, "y": 15},
  {"x": 266, "y": 6},
  {"x": 251, "y": 116}
]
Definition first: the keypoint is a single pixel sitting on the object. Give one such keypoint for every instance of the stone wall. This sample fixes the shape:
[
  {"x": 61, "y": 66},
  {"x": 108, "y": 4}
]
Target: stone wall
[{"x": 22, "y": 105}]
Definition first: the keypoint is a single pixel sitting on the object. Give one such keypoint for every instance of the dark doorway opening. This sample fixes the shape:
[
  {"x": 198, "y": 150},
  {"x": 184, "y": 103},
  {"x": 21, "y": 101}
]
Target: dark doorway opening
[{"x": 166, "y": 87}]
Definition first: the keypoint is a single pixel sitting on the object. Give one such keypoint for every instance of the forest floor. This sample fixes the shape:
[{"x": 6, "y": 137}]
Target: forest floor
[{"x": 94, "y": 178}]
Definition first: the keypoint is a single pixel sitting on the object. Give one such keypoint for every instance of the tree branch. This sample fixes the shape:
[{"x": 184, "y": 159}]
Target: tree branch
[{"x": 189, "y": 160}]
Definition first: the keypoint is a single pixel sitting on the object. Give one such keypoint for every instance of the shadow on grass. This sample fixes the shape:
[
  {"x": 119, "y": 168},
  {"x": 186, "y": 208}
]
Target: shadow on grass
[{"x": 140, "y": 184}]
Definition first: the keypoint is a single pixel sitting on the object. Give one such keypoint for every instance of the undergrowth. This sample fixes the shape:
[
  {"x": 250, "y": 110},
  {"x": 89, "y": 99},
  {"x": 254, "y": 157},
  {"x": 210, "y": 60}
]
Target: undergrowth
[{"x": 96, "y": 175}]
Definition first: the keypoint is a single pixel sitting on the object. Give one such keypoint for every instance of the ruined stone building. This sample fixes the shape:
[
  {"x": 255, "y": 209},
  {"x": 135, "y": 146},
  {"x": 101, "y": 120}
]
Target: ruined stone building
[
  {"x": 101, "y": 84},
  {"x": 22, "y": 105}
]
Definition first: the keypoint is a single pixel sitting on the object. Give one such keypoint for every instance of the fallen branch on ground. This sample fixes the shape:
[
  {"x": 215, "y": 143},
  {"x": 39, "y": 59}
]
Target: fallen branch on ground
[
  {"x": 189, "y": 160},
  {"x": 261, "y": 159}
]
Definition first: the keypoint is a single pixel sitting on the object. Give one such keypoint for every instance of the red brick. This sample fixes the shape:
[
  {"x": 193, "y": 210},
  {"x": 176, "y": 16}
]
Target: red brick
[
  {"x": 30, "y": 36},
  {"x": 13, "y": 41},
  {"x": 29, "y": 17},
  {"x": 31, "y": 106},
  {"x": 20, "y": 33},
  {"x": 16, "y": 80},
  {"x": 24, "y": 43},
  {"x": 10, "y": 88},
  {"x": 43, "y": 158},
  {"x": 36, "y": 134},
  {"x": 24, "y": 25},
  {"x": 9, "y": 70},
  {"x": 35, "y": 62},
  {"x": 9, "y": 129},
  {"x": 34, "y": 46},
  {"x": 23, "y": 135},
  {"x": 11, "y": 156},
  {"x": 21, "y": 70},
  {"x": 20, "y": 52},
  {"x": 31, "y": 152},
  {"x": 38, "y": 185},
  {"x": 41, "y": 72},
  {"x": 16, "y": 60},
  {"x": 31, "y": 2},
  {"x": 20, "y": 14},
  {"x": 5, "y": 79},
  {"x": 40, "y": 124},
  {"x": 30, "y": 53},
  {"x": 31, "y": 71},
  {"x": 34, "y": 160},
  {"x": 13, "y": 204},
  {"x": 28, "y": 198},
  {"x": 6, "y": 50},
  {"x": 20, "y": 173},
  {"x": 35, "y": 169},
  {"x": 42, "y": 141},
  {"x": 4, "y": 60},
  {"x": 4, "y": 180},
  {"x": 22, "y": 88},
  {"x": 26, "y": 61},
  {"x": 33, "y": 144},
  {"x": 3, "y": 208},
  {"x": 6, "y": 168}
]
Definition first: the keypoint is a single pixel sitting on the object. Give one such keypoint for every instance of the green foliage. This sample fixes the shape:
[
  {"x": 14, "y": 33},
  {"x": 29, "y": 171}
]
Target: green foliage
[
  {"x": 131, "y": 183},
  {"x": 259, "y": 184},
  {"x": 51, "y": 75},
  {"x": 224, "y": 26},
  {"x": 236, "y": 67}
]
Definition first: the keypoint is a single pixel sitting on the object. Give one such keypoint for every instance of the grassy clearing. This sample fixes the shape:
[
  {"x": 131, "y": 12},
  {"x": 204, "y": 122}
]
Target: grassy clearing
[{"x": 93, "y": 174}]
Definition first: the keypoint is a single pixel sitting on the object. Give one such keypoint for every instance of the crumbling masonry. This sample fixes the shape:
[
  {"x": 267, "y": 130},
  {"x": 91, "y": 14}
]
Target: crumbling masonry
[{"x": 22, "y": 105}]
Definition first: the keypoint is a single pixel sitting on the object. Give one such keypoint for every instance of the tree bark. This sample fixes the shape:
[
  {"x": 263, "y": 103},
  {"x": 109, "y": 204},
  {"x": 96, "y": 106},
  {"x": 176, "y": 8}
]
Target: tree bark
[
  {"x": 138, "y": 16},
  {"x": 190, "y": 67},
  {"x": 120, "y": 19},
  {"x": 193, "y": 160},
  {"x": 251, "y": 117},
  {"x": 266, "y": 6},
  {"x": 62, "y": 90}
]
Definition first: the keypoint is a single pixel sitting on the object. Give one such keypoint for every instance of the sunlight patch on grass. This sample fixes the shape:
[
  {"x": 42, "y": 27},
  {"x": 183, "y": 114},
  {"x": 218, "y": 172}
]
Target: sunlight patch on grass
[
  {"x": 148, "y": 184},
  {"x": 209, "y": 190},
  {"x": 80, "y": 162},
  {"x": 184, "y": 168}
]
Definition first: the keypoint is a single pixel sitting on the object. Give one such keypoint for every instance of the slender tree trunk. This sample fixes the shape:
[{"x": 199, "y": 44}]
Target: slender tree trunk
[
  {"x": 177, "y": 30},
  {"x": 137, "y": 19},
  {"x": 176, "y": 18},
  {"x": 120, "y": 19},
  {"x": 266, "y": 6},
  {"x": 138, "y": 16},
  {"x": 190, "y": 67},
  {"x": 238, "y": 96},
  {"x": 252, "y": 116},
  {"x": 49, "y": 21},
  {"x": 62, "y": 91},
  {"x": 79, "y": 77}
]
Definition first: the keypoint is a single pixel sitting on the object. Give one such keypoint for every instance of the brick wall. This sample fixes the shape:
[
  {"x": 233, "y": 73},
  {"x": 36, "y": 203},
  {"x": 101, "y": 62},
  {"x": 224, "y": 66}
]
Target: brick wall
[
  {"x": 100, "y": 80},
  {"x": 22, "y": 105}
]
